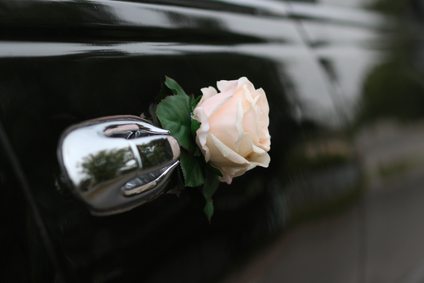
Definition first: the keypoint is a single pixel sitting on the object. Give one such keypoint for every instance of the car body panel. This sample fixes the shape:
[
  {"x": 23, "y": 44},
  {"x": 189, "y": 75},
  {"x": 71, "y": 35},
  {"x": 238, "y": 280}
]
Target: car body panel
[{"x": 65, "y": 62}]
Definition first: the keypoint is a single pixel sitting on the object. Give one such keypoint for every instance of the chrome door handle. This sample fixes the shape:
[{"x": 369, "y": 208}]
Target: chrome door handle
[{"x": 116, "y": 163}]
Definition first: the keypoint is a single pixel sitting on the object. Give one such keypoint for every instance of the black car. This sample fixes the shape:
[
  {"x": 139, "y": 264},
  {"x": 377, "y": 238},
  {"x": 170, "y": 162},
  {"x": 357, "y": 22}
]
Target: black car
[{"x": 341, "y": 200}]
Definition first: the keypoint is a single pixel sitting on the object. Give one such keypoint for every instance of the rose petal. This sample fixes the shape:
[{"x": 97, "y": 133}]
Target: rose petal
[
  {"x": 249, "y": 151},
  {"x": 230, "y": 172},
  {"x": 239, "y": 124},
  {"x": 223, "y": 123},
  {"x": 207, "y": 92},
  {"x": 263, "y": 102},
  {"x": 225, "y": 159},
  {"x": 226, "y": 85},
  {"x": 226, "y": 178},
  {"x": 250, "y": 125},
  {"x": 234, "y": 134},
  {"x": 222, "y": 155},
  {"x": 261, "y": 115},
  {"x": 246, "y": 146},
  {"x": 212, "y": 104},
  {"x": 243, "y": 81},
  {"x": 259, "y": 157},
  {"x": 253, "y": 154},
  {"x": 203, "y": 132}
]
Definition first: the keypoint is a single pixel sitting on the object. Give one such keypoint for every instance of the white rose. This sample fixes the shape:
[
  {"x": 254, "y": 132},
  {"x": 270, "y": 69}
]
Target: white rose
[{"x": 233, "y": 135}]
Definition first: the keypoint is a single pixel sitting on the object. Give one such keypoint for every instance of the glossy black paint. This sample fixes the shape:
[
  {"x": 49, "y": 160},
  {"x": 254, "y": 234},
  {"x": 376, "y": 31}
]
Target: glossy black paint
[{"x": 68, "y": 61}]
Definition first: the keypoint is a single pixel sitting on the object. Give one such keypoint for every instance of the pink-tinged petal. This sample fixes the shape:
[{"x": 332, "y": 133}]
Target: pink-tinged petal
[
  {"x": 230, "y": 172},
  {"x": 262, "y": 118},
  {"x": 226, "y": 178},
  {"x": 265, "y": 139},
  {"x": 251, "y": 122},
  {"x": 244, "y": 82},
  {"x": 255, "y": 155},
  {"x": 239, "y": 124},
  {"x": 225, "y": 159},
  {"x": 246, "y": 146},
  {"x": 262, "y": 126},
  {"x": 263, "y": 109},
  {"x": 260, "y": 157},
  {"x": 265, "y": 143},
  {"x": 223, "y": 123},
  {"x": 221, "y": 103},
  {"x": 203, "y": 132},
  {"x": 226, "y": 85},
  {"x": 222, "y": 155},
  {"x": 212, "y": 104},
  {"x": 262, "y": 102},
  {"x": 207, "y": 92},
  {"x": 233, "y": 171},
  {"x": 234, "y": 134},
  {"x": 240, "y": 172},
  {"x": 250, "y": 125}
]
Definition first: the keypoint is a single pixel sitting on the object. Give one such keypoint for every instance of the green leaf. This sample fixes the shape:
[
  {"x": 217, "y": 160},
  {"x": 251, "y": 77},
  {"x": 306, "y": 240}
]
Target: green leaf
[
  {"x": 211, "y": 185},
  {"x": 195, "y": 102},
  {"x": 174, "y": 87},
  {"x": 194, "y": 127},
  {"x": 174, "y": 115},
  {"x": 163, "y": 93},
  {"x": 209, "y": 210},
  {"x": 197, "y": 152},
  {"x": 214, "y": 170},
  {"x": 193, "y": 170}
]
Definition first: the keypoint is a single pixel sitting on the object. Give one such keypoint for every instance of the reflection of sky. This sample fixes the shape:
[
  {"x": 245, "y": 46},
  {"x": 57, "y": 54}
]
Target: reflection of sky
[
  {"x": 337, "y": 14},
  {"x": 269, "y": 37},
  {"x": 163, "y": 17},
  {"x": 294, "y": 59},
  {"x": 352, "y": 66},
  {"x": 352, "y": 51},
  {"x": 279, "y": 41},
  {"x": 349, "y": 3},
  {"x": 275, "y": 6}
]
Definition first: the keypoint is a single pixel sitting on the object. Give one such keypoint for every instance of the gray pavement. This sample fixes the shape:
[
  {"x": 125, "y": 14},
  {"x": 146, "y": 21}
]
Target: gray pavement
[{"x": 379, "y": 239}]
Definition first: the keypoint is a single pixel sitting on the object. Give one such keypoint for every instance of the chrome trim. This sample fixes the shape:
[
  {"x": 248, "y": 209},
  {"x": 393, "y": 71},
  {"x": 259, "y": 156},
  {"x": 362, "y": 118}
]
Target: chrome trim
[{"x": 116, "y": 163}]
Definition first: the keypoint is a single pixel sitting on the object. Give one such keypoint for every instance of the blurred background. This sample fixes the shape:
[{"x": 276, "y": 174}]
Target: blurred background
[{"x": 372, "y": 231}]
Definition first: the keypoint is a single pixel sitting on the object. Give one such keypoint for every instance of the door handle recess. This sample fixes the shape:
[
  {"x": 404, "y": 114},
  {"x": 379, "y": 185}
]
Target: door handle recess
[{"x": 116, "y": 163}]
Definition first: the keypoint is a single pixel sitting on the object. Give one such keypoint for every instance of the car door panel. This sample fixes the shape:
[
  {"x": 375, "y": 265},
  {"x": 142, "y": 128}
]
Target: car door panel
[{"x": 69, "y": 61}]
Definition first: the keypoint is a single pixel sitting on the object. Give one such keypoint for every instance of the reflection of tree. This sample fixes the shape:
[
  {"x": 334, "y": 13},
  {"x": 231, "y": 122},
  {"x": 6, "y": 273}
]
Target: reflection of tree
[
  {"x": 394, "y": 7},
  {"x": 318, "y": 154},
  {"x": 393, "y": 91},
  {"x": 106, "y": 165},
  {"x": 155, "y": 153}
]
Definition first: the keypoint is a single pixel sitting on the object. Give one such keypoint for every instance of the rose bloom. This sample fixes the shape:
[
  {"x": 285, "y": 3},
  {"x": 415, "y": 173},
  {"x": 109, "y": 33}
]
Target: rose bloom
[{"x": 233, "y": 135}]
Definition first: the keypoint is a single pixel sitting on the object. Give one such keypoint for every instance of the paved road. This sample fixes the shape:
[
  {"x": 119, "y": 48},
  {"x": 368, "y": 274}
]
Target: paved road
[{"x": 379, "y": 239}]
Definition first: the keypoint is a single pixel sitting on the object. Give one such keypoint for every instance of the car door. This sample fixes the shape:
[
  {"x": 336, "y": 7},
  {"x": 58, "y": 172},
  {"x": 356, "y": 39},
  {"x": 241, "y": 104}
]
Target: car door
[
  {"x": 374, "y": 68},
  {"x": 65, "y": 62}
]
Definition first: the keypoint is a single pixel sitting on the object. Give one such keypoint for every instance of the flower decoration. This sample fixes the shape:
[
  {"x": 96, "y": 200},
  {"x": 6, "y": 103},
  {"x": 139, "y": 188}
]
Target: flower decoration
[
  {"x": 233, "y": 135},
  {"x": 222, "y": 134}
]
